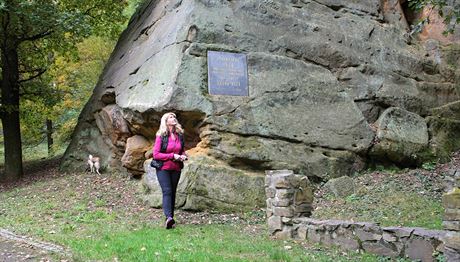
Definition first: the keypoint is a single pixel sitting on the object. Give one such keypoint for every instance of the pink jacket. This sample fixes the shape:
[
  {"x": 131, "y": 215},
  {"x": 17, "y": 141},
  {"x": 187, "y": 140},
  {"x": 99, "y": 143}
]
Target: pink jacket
[{"x": 174, "y": 147}]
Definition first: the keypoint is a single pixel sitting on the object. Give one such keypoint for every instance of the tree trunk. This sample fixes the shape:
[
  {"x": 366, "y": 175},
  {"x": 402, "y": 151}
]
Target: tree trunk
[
  {"x": 10, "y": 112},
  {"x": 49, "y": 136}
]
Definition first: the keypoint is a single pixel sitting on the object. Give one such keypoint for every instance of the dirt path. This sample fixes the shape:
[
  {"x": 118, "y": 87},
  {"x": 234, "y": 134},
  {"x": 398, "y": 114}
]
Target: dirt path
[{"x": 19, "y": 248}]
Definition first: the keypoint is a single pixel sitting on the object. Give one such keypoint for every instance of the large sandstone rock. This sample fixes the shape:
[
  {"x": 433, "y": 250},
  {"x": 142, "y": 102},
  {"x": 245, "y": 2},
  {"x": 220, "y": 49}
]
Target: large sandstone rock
[
  {"x": 401, "y": 136},
  {"x": 320, "y": 72}
]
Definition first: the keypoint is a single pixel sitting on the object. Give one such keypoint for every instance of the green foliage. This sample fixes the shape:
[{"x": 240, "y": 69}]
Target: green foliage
[
  {"x": 33, "y": 114},
  {"x": 352, "y": 198},
  {"x": 72, "y": 81},
  {"x": 81, "y": 36},
  {"x": 69, "y": 18},
  {"x": 450, "y": 13},
  {"x": 439, "y": 257},
  {"x": 40, "y": 31},
  {"x": 75, "y": 79},
  {"x": 133, "y": 7},
  {"x": 430, "y": 166}
]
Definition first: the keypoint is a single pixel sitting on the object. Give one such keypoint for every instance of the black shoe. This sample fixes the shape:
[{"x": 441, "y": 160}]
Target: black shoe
[{"x": 170, "y": 223}]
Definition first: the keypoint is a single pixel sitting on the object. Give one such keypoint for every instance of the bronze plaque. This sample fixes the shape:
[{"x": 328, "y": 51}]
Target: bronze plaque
[{"x": 227, "y": 74}]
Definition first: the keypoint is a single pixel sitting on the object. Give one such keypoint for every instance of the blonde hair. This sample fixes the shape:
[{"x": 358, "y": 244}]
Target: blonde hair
[{"x": 163, "y": 130}]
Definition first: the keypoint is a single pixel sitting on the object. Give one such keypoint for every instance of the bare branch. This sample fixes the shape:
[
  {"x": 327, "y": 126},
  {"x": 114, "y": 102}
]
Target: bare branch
[
  {"x": 29, "y": 71},
  {"x": 39, "y": 73},
  {"x": 37, "y": 36}
]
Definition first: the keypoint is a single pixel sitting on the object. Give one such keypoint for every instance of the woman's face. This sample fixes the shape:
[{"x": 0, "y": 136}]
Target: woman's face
[{"x": 171, "y": 120}]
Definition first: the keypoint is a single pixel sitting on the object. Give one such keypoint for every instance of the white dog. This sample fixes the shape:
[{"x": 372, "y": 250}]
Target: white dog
[{"x": 94, "y": 164}]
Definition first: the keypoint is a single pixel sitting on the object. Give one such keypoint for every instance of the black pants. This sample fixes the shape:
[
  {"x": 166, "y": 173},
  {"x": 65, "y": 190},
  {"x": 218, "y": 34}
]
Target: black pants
[{"x": 168, "y": 180}]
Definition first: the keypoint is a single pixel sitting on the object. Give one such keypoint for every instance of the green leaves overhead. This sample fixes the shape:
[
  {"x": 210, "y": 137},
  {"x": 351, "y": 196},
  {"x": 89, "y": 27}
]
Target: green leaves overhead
[
  {"x": 71, "y": 19},
  {"x": 59, "y": 43},
  {"x": 42, "y": 29},
  {"x": 448, "y": 10}
]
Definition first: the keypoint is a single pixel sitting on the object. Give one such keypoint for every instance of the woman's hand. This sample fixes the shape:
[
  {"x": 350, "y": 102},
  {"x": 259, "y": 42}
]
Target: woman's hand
[
  {"x": 177, "y": 157},
  {"x": 183, "y": 157}
]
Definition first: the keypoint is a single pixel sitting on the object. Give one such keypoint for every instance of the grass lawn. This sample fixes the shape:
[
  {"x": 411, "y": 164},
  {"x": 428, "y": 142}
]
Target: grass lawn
[{"x": 99, "y": 218}]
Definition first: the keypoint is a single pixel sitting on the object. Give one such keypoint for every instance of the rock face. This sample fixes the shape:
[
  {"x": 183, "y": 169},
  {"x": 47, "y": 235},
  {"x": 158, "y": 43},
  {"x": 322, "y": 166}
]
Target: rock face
[{"x": 320, "y": 74}]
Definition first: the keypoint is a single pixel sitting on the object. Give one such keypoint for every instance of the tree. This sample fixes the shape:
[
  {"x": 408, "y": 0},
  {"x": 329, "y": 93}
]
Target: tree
[{"x": 30, "y": 32}]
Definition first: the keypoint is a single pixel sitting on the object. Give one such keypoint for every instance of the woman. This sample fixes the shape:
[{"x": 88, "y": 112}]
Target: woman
[{"x": 173, "y": 155}]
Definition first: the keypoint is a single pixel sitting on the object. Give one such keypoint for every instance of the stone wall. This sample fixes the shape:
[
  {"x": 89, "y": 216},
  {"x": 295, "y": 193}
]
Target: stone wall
[
  {"x": 451, "y": 202},
  {"x": 289, "y": 196},
  {"x": 414, "y": 243},
  {"x": 289, "y": 204}
]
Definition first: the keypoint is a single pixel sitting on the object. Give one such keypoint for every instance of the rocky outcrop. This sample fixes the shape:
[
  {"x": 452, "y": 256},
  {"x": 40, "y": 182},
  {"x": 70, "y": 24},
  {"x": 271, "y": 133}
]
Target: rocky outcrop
[{"x": 320, "y": 74}]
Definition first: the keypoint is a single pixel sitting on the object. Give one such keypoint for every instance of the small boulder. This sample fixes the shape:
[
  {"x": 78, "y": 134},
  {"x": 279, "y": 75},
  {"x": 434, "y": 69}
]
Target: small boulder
[
  {"x": 341, "y": 187},
  {"x": 133, "y": 159},
  {"x": 401, "y": 137}
]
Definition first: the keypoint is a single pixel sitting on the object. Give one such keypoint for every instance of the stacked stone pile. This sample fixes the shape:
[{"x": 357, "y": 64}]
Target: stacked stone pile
[
  {"x": 451, "y": 202},
  {"x": 452, "y": 180},
  {"x": 288, "y": 196}
]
